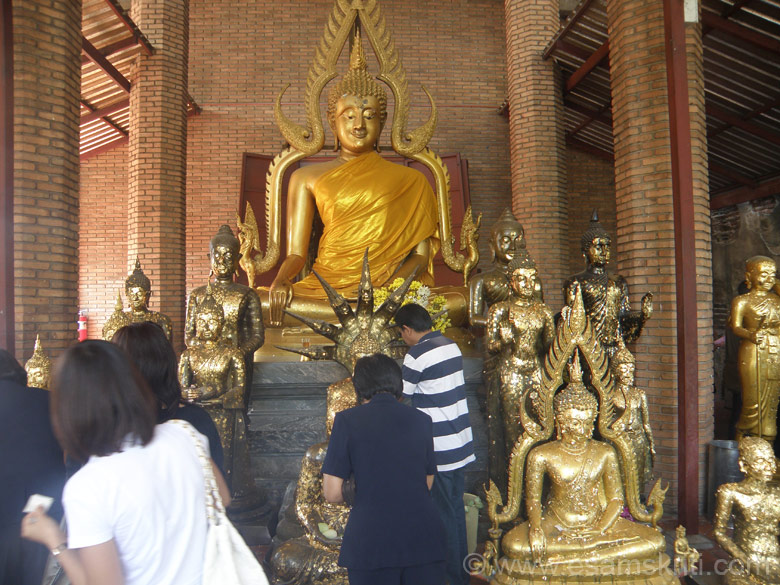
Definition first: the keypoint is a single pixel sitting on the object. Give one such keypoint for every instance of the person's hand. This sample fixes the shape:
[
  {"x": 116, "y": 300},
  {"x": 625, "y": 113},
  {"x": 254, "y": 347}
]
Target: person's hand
[
  {"x": 538, "y": 544},
  {"x": 279, "y": 297},
  {"x": 759, "y": 337},
  {"x": 39, "y": 527}
]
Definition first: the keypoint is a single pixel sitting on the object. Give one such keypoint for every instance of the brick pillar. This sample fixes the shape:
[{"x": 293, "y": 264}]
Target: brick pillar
[
  {"x": 47, "y": 87},
  {"x": 645, "y": 221},
  {"x": 536, "y": 139},
  {"x": 157, "y": 156}
]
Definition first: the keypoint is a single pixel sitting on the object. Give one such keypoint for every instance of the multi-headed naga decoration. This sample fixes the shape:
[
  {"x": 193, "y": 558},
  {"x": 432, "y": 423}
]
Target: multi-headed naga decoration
[{"x": 362, "y": 331}]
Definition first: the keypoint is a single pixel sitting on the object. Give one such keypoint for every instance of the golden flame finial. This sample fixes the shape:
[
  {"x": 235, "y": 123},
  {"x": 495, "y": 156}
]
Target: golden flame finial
[{"x": 357, "y": 59}]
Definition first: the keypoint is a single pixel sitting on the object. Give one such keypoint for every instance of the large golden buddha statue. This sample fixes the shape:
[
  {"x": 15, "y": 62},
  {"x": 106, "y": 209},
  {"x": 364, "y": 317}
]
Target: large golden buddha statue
[
  {"x": 574, "y": 533},
  {"x": 364, "y": 201}
]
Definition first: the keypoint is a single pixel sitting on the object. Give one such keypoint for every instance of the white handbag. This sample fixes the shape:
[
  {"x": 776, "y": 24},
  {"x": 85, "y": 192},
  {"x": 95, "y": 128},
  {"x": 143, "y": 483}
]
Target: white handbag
[{"x": 228, "y": 560}]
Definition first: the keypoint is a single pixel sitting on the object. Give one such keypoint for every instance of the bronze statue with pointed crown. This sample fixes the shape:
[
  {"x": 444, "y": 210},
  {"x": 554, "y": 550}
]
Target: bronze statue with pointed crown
[
  {"x": 363, "y": 200},
  {"x": 138, "y": 289},
  {"x": 606, "y": 296},
  {"x": 38, "y": 367}
]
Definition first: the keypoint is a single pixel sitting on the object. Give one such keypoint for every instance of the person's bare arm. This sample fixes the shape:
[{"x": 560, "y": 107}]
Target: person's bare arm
[
  {"x": 331, "y": 488},
  {"x": 429, "y": 481},
  {"x": 91, "y": 565}
]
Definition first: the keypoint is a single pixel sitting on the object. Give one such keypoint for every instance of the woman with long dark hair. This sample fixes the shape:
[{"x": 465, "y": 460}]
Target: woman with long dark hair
[
  {"x": 153, "y": 355},
  {"x": 136, "y": 510}
]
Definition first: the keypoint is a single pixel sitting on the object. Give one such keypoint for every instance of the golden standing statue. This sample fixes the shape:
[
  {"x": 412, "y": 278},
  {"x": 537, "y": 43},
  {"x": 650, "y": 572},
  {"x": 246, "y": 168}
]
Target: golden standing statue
[
  {"x": 632, "y": 401},
  {"x": 212, "y": 373},
  {"x": 685, "y": 556},
  {"x": 754, "y": 505},
  {"x": 520, "y": 330},
  {"x": 138, "y": 289},
  {"x": 38, "y": 367},
  {"x": 606, "y": 296},
  {"x": 364, "y": 201},
  {"x": 755, "y": 318}
]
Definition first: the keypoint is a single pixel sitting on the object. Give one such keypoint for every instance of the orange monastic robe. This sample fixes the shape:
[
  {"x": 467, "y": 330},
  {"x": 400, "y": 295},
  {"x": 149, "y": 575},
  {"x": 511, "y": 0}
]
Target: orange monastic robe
[{"x": 371, "y": 203}]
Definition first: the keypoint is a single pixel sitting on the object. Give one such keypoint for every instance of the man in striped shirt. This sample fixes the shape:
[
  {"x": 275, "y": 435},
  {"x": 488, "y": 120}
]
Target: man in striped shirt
[{"x": 433, "y": 377}]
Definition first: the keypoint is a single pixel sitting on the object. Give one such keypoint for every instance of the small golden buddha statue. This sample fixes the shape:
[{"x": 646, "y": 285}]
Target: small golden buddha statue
[
  {"x": 363, "y": 201},
  {"x": 313, "y": 558},
  {"x": 520, "y": 330},
  {"x": 212, "y": 373},
  {"x": 580, "y": 521},
  {"x": 754, "y": 506},
  {"x": 606, "y": 296},
  {"x": 38, "y": 367},
  {"x": 755, "y": 318},
  {"x": 685, "y": 556},
  {"x": 243, "y": 321},
  {"x": 632, "y": 401},
  {"x": 138, "y": 289}
]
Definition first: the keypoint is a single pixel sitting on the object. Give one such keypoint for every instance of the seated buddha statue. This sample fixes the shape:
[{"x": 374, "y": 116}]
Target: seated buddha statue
[
  {"x": 365, "y": 203},
  {"x": 138, "y": 289},
  {"x": 38, "y": 367},
  {"x": 754, "y": 506},
  {"x": 580, "y": 523}
]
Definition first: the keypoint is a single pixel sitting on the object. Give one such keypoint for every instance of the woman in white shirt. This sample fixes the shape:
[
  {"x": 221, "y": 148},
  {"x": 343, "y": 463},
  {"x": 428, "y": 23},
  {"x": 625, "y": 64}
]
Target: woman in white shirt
[{"x": 136, "y": 510}]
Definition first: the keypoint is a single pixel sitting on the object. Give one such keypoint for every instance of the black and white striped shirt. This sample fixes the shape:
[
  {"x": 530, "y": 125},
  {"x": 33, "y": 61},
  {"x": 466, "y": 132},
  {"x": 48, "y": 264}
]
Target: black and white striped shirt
[{"x": 433, "y": 377}]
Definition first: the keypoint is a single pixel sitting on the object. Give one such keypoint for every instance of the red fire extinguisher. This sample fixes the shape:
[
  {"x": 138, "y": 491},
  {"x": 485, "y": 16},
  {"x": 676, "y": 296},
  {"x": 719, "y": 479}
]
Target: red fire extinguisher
[{"x": 82, "y": 325}]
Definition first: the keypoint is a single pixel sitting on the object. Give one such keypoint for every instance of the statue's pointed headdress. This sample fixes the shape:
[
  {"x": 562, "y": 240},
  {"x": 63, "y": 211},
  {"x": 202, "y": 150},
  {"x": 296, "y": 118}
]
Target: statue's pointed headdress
[
  {"x": 39, "y": 359},
  {"x": 344, "y": 17},
  {"x": 209, "y": 304},
  {"x": 138, "y": 278},
  {"x": 595, "y": 230}
]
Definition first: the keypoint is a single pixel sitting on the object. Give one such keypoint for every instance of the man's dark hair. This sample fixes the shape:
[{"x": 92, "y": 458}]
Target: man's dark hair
[
  {"x": 374, "y": 374},
  {"x": 98, "y": 400},
  {"x": 153, "y": 355},
  {"x": 414, "y": 317},
  {"x": 11, "y": 370}
]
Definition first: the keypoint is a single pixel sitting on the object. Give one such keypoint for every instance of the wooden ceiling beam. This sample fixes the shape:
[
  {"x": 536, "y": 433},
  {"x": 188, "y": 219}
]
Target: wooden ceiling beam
[
  {"x": 572, "y": 20},
  {"x": 138, "y": 36},
  {"x": 744, "y": 194},
  {"x": 102, "y": 112},
  {"x": 745, "y": 125},
  {"x": 732, "y": 174},
  {"x": 590, "y": 149},
  {"x": 112, "y": 49},
  {"x": 734, "y": 29},
  {"x": 590, "y": 64},
  {"x": 98, "y": 59}
]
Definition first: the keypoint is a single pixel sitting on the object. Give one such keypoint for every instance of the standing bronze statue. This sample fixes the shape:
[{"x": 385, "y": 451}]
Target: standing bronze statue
[
  {"x": 754, "y": 506},
  {"x": 755, "y": 318},
  {"x": 632, "y": 402},
  {"x": 605, "y": 296},
  {"x": 243, "y": 326},
  {"x": 520, "y": 330},
  {"x": 212, "y": 373},
  {"x": 138, "y": 289}
]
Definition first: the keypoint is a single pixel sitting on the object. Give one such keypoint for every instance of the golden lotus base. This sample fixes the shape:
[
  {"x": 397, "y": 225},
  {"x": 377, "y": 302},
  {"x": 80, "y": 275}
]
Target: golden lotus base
[{"x": 652, "y": 571}]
